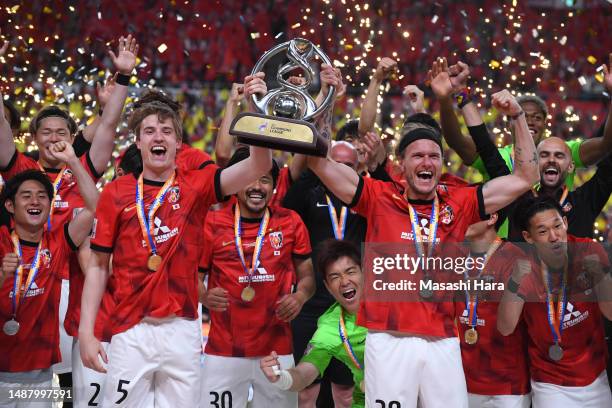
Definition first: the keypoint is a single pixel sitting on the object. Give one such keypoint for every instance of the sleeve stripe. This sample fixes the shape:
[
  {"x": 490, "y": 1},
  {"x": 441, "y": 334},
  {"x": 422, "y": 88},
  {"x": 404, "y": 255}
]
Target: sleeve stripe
[
  {"x": 100, "y": 248},
  {"x": 93, "y": 170},
  {"x": 481, "y": 204},
  {"x": 69, "y": 240},
  {"x": 11, "y": 163},
  {"x": 302, "y": 256},
  {"x": 202, "y": 269},
  {"x": 206, "y": 163},
  {"x": 357, "y": 193}
]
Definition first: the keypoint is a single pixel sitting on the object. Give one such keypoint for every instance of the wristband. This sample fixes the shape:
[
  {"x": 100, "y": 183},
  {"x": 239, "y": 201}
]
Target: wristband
[
  {"x": 513, "y": 286},
  {"x": 285, "y": 381},
  {"x": 515, "y": 117},
  {"x": 463, "y": 98},
  {"x": 123, "y": 79}
]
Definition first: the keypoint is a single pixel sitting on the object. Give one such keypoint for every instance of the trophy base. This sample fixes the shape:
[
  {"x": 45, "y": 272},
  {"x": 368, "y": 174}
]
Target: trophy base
[{"x": 279, "y": 133}]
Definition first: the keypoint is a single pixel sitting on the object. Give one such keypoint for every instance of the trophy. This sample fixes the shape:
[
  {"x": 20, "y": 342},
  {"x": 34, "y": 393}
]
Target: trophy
[{"x": 287, "y": 117}]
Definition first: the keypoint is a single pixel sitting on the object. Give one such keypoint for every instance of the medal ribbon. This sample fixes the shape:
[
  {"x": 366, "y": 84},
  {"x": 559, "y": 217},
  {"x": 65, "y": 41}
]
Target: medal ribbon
[
  {"x": 346, "y": 342},
  {"x": 261, "y": 233},
  {"x": 56, "y": 186},
  {"x": 472, "y": 302},
  {"x": 555, "y": 318},
  {"x": 433, "y": 227},
  {"x": 32, "y": 273},
  {"x": 338, "y": 224},
  {"x": 146, "y": 219}
]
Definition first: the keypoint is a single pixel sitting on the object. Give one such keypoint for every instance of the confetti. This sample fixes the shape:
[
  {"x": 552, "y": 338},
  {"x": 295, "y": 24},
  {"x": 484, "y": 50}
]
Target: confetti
[
  {"x": 162, "y": 48},
  {"x": 592, "y": 59}
]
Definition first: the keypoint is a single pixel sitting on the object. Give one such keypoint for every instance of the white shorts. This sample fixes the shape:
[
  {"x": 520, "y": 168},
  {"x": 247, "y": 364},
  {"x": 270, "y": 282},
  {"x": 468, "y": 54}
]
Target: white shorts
[
  {"x": 594, "y": 395},
  {"x": 7, "y": 402},
  {"x": 226, "y": 382},
  {"x": 64, "y": 366},
  {"x": 399, "y": 371},
  {"x": 155, "y": 364},
  {"x": 87, "y": 384},
  {"x": 499, "y": 401}
]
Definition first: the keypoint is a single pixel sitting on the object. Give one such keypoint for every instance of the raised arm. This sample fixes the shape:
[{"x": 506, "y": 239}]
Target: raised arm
[
  {"x": 80, "y": 226},
  {"x": 104, "y": 140},
  {"x": 103, "y": 93},
  {"x": 293, "y": 379},
  {"x": 594, "y": 149},
  {"x": 511, "y": 306},
  {"x": 501, "y": 191},
  {"x": 444, "y": 82},
  {"x": 385, "y": 68},
  {"x": 340, "y": 179},
  {"x": 224, "y": 145}
]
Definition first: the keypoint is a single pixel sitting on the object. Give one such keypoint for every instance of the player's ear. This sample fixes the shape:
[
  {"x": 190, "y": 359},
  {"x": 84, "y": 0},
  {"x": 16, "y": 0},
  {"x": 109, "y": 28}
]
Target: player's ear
[{"x": 527, "y": 237}]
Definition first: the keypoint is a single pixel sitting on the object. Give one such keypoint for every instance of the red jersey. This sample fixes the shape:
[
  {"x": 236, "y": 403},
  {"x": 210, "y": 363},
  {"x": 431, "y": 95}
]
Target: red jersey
[
  {"x": 177, "y": 230},
  {"x": 68, "y": 200},
  {"x": 585, "y": 352},
  {"x": 251, "y": 329},
  {"x": 36, "y": 344},
  {"x": 190, "y": 158},
  {"x": 385, "y": 208},
  {"x": 496, "y": 364}
]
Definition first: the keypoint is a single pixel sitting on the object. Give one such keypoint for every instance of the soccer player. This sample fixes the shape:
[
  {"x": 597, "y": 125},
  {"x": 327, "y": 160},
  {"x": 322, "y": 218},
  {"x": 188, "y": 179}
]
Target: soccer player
[
  {"x": 152, "y": 226},
  {"x": 50, "y": 126},
  {"x": 33, "y": 258},
  {"x": 553, "y": 290},
  {"x": 416, "y": 342},
  {"x": 583, "y": 152},
  {"x": 253, "y": 256},
  {"x": 337, "y": 335}
]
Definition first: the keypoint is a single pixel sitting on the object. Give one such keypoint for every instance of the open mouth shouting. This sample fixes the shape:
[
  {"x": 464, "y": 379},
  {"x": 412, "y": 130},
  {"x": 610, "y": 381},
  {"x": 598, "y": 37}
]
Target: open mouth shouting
[
  {"x": 349, "y": 294},
  {"x": 256, "y": 197},
  {"x": 425, "y": 175},
  {"x": 551, "y": 174},
  {"x": 159, "y": 151}
]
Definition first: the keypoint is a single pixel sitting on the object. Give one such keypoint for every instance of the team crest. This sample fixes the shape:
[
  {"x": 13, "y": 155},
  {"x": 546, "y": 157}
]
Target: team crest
[
  {"x": 442, "y": 188},
  {"x": 174, "y": 194},
  {"x": 276, "y": 239},
  {"x": 68, "y": 176},
  {"x": 567, "y": 207},
  {"x": 45, "y": 256},
  {"x": 446, "y": 215}
]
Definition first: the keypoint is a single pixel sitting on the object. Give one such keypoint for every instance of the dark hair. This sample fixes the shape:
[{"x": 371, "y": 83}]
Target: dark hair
[
  {"x": 350, "y": 130},
  {"x": 425, "y": 118},
  {"x": 52, "y": 111},
  {"x": 154, "y": 95},
  {"x": 414, "y": 132},
  {"x": 12, "y": 185},
  {"x": 130, "y": 160},
  {"x": 331, "y": 250},
  {"x": 14, "y": 117},
  {"x": 243, "y": 152},
  {"x": 528, "y": 207}
]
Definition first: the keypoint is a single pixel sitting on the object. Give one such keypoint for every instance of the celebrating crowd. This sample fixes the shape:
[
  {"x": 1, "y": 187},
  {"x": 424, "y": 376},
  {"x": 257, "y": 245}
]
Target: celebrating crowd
[{"x": 105, "y": 288}]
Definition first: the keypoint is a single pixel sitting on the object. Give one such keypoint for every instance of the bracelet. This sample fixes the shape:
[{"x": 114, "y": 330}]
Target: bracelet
[
  {"x": 123, "y": 79},
  {"x": 463, "y": 98},
  {"x": 285, "y": 381},
  {"x": 515, "y": 117},
  {"x": 513, "y": 286}
]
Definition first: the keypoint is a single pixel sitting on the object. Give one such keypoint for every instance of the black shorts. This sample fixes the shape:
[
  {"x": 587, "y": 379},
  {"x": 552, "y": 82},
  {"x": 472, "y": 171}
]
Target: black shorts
[{"x": 304, "y": 328}]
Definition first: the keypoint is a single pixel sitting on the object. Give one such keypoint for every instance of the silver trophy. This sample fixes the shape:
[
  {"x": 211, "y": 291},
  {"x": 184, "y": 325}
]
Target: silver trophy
[{"x": 287, "y": 117}]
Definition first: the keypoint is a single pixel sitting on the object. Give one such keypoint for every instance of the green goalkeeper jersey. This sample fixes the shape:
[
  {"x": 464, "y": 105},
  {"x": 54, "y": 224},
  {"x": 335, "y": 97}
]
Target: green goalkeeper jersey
[{"x": 327, "y": 343}]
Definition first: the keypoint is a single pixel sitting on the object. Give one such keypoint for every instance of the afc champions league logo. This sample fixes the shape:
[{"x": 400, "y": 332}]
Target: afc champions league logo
[
  {"x": 276, "y": 239},
  {"x": 174, "y": 194}
]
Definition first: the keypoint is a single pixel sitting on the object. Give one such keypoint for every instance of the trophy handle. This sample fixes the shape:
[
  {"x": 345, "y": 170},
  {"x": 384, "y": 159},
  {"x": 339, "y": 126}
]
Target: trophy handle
[{"x": 297, "y": 60}]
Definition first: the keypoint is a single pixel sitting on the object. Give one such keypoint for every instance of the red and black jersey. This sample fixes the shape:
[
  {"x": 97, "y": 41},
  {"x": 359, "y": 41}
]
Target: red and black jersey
[
  {"x": 585, "y": 353},
  {"x": 190, "y": 158},
  {"x": 177, "y": 230},
  {"x": 36, "y": 345},
  {"x": 384, "y": 207},
  {"x": 496, "y": 364},
  {"x": 251, "y": 329}
]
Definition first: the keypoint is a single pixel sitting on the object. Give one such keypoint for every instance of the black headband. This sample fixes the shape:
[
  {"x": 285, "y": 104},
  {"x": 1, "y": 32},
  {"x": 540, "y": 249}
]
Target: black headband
[{"x": 418, "y": 134}]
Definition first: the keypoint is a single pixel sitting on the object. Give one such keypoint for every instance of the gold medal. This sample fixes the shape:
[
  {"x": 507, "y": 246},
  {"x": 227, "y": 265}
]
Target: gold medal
[
  {"x": 471, "y": 336},
  {"x": 153, "y": 262},
  {"x": 362, "y": 386},
  {"x": 248, "y": 294}
]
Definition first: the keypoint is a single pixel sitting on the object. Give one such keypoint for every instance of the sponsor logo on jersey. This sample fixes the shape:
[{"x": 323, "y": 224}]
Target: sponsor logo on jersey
[
  {"x": 161, "y": 232},
  {"x": 58, "y": 203},
  {"x": 260, "y": 275},
  {"x": 34, "y": 290},
  {"x": 573, "y": 316},
  {"x": 276, "y": 239}
]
